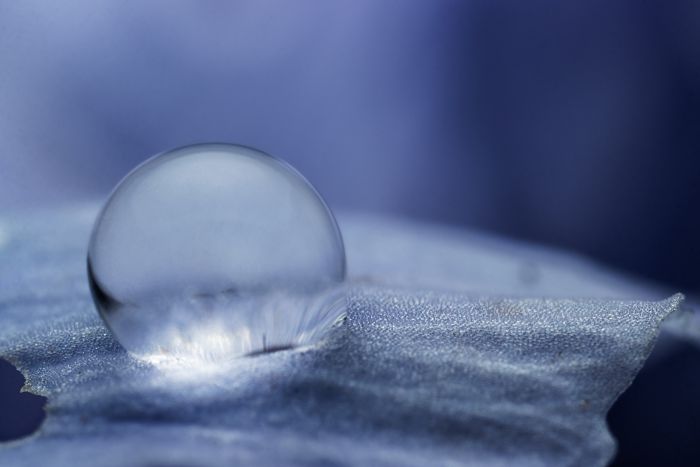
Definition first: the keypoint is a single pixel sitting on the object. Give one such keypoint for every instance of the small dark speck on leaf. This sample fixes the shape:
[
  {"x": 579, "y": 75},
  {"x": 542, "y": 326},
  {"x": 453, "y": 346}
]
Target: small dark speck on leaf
[{"x": 529, "y": 273}]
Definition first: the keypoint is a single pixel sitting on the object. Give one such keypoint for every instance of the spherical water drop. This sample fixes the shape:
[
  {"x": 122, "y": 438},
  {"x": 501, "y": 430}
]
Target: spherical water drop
[{"x": 213, "y": 251}]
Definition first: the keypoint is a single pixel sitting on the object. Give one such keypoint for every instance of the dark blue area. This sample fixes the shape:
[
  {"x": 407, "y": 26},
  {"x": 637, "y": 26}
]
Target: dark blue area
[
  {"x": 20, "y": 413},
  {"x": 583, "y": 120},
  {"x": 657, "y": 421}
]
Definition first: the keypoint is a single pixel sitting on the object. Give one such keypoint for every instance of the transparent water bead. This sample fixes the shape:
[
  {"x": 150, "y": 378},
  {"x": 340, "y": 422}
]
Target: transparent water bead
[{"x": 212, "y": 251}]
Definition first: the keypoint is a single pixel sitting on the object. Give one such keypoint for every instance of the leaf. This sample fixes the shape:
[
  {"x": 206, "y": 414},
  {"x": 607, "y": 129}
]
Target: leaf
[{"x": 441, "y": 360}]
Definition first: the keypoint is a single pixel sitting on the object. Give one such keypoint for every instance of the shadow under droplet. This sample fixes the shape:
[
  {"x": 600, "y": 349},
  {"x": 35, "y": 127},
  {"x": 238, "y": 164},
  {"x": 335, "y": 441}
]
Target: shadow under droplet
[
  {"x": 271, "y": 349},
  {"x": 21, "y": 413}
]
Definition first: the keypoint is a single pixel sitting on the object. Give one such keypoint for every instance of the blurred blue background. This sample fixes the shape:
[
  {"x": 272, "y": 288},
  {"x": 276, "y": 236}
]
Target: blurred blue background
[{"x": 575, "y": 124}]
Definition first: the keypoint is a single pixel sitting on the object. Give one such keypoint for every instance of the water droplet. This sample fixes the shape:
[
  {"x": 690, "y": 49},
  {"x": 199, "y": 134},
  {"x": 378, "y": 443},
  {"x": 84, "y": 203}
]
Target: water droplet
[{"x": 213, "y": 251}]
